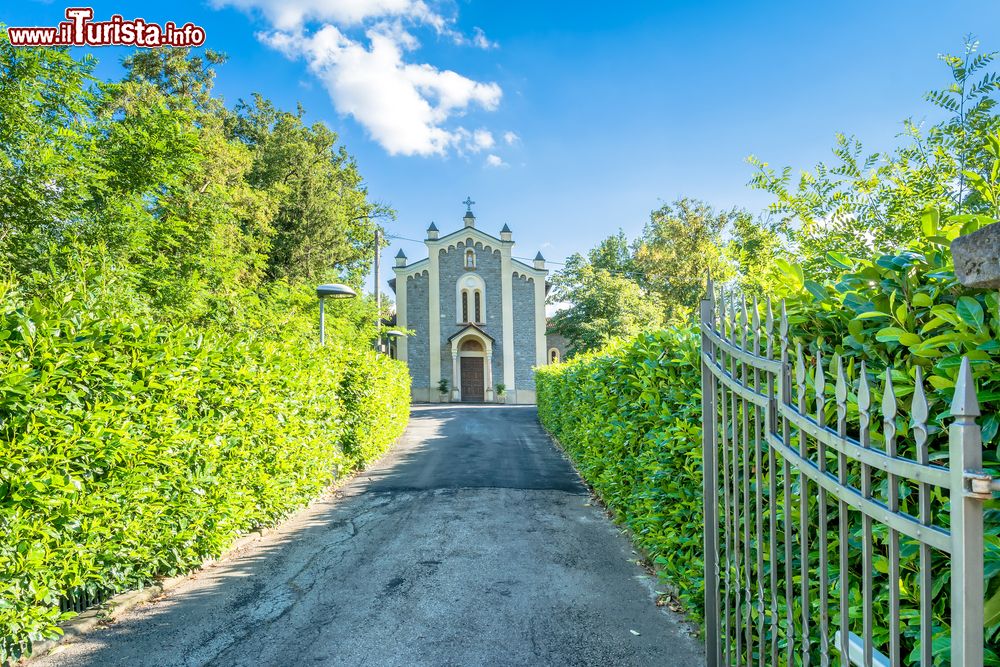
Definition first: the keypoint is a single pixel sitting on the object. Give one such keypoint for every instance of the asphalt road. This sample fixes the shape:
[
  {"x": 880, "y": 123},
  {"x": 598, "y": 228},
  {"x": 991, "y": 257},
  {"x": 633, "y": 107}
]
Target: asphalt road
[{"x": 472, "y": 543}]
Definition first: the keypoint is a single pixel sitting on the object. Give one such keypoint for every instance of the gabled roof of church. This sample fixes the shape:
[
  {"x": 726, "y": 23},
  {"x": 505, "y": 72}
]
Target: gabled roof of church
[
  {"x": 468, "y": 326},
  {"x": 466, "y": 231},
  {"x": 526, "y": 267}
]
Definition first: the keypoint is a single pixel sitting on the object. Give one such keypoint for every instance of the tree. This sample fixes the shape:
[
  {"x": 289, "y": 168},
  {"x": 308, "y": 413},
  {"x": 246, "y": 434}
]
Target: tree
[
  {"x": 324, "y": 225},
  {"x": 180, "y": 74},
  {"x": 872, "y": 203},
  {"x": 614, "y": 254},
  {"x": 753, "y": 249},
  {"x": 196, "y": 214},
  {"x": 201, "y": 241},
  {"x": 604, "y": 305},
  {"x": 47, "y": 99},
  {"x": 679, "y": 246}
]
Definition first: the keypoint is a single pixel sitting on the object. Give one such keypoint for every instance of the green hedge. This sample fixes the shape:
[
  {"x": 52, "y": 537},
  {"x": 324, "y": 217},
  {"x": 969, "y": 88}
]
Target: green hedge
[
  {"x": 630, "y": 417},
  {"x": 129, "y": 451}
]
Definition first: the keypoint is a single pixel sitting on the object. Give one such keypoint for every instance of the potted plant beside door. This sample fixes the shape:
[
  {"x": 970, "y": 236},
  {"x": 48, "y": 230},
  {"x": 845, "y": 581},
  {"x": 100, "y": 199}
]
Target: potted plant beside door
[
  {"x": 443, "y": 388},
  {"x": 501, "y": 393}
]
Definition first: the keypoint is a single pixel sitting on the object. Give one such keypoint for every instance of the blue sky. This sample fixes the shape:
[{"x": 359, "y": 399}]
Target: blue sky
[{"x": 613, "y": 108}]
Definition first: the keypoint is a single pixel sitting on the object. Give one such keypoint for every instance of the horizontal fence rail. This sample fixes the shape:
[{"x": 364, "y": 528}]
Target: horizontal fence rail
[{"x": 829, "y": 536}]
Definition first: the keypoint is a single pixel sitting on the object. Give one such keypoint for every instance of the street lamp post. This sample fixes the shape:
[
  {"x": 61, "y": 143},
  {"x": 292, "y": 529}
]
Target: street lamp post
[
  {"x": 393, "y": 333},
  {"x": 334, "y": 291}
]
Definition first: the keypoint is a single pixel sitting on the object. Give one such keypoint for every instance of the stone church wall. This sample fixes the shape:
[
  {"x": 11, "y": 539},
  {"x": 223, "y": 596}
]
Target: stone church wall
[
  {"x": 451, "y": 267},
  {"x": 416, "y": 319},
  {"x": 554, "y": 340},
  {"x": 524, "y": 333}
]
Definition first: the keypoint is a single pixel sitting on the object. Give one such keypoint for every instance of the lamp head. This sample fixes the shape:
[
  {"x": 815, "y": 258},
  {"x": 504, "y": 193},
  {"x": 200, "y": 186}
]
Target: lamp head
[{"x": 335, "y": 291}]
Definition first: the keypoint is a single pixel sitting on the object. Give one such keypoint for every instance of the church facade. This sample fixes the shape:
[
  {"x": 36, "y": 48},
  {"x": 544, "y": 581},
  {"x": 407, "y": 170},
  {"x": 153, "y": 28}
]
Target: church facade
[{"x": 477, "y": 315}]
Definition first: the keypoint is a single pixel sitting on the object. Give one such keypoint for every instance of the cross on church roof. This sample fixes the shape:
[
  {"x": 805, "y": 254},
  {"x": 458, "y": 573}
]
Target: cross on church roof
[{"x": 468, "y": 203}]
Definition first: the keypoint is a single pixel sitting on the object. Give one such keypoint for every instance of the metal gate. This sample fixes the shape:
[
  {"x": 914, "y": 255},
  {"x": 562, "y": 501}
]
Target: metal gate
[{"x": 823, "y": 512}]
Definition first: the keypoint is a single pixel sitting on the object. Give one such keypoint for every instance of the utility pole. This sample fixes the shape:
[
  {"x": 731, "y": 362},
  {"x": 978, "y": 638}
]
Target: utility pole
[{"x": 378, "y": 291}]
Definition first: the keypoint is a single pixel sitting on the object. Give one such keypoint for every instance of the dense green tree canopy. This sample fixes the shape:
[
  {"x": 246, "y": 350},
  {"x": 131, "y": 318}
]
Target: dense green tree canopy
[
  {"x": 202, "y": 213},
  {"x": 605, "y": 303},
  {"x": 622, "y": 287}
]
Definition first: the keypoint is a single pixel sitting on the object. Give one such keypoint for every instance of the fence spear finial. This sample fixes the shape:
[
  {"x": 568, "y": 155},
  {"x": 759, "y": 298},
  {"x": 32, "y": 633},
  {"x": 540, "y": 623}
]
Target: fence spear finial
[
  {"x": 889, "y": 410},
  {"x": 864, "y": 402},
  {"x": 709, "y": 288},
  {"x": 840, "y": 391},
  {"x": 769, "y": 326},
  {"x": 800, "y": 369},
  {"x": 965, "y": 403},
  {"x": 819, "y": 380},
  {"x": 918, "y": 414},
  {"x": 783, "y": 326}
]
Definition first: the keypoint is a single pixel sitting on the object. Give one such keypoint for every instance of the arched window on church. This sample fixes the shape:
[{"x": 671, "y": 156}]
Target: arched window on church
[
  {"x": 553, "y": 355},
  {"x": 470, "y": 298},
  {"x": 470, "y": 259}
]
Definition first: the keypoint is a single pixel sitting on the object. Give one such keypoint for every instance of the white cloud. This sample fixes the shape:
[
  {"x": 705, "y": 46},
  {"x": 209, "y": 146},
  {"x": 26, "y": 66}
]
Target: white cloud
[
  {"x": 405, "y": 107},
  {"x": 495, "y": 161},
  {"x": 511, "y": 138},
  {"x": 483, "y": 140},
  {"x": 292, "y": 14},
  {"x": 479, "y": 39},
  {"x": 359, "y": 53}
]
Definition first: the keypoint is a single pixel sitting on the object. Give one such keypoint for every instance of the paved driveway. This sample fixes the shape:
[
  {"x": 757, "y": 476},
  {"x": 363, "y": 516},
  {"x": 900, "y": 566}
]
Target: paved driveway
[{"x": 472, "y": 543}]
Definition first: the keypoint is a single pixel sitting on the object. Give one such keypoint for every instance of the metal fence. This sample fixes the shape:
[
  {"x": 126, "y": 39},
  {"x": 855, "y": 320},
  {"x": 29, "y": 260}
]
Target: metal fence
[{"x": 831, "y": 529}]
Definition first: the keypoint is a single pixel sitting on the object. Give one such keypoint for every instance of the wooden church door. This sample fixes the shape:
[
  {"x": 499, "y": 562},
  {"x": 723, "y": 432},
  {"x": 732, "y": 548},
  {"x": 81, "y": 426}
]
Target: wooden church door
[{"x": 473, "y": 377}]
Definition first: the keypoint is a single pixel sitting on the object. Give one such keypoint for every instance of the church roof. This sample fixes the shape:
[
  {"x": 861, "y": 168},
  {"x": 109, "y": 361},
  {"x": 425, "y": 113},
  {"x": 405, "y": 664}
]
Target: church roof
[
  {"x": 466, "y": 231},
  {"x": 432, "y": 228},
  {"x": 526, "y": 268},
  {"x": 465, "y": 328},
  {"x": 538, "y": 257},
  {"x": 505, "y": 230},
  {"x": 401, "y": 254}
]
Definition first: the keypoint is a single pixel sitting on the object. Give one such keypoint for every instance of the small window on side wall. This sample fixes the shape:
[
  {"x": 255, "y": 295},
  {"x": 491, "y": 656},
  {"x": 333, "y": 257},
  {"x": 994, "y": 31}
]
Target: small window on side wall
[{"x": 553, "y": 356}]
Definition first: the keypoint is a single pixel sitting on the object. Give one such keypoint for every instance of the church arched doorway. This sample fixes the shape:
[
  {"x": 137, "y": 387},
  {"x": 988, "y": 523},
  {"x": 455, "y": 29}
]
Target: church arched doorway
[{"x": 472, "y": 357}]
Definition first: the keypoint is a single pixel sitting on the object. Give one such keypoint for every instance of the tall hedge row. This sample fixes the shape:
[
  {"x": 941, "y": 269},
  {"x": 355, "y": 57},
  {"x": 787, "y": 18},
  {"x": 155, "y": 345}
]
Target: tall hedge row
[
  {"x": 130, "y": 451},
  {"x": 629, "y": 415}
]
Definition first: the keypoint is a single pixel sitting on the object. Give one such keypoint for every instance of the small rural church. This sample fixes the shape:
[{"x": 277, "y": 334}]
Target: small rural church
[{"x": 478, "y": 317}]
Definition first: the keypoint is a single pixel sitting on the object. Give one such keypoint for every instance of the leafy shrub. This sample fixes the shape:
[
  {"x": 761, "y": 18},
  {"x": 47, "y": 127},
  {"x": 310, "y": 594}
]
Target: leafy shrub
[
  {"x": 629, "y": 415},
  {"x": 129, "y": 450}
]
